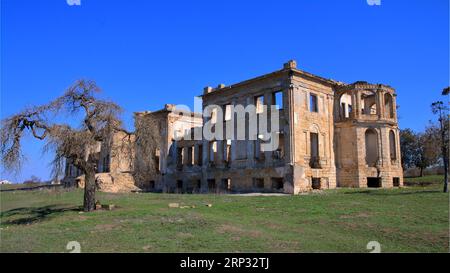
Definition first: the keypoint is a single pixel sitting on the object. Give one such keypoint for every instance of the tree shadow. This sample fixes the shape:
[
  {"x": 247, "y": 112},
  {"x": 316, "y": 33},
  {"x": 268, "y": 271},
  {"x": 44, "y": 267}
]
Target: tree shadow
[
  {"x": 34, "y": 214},
  {"x": 392, "y": 193}
]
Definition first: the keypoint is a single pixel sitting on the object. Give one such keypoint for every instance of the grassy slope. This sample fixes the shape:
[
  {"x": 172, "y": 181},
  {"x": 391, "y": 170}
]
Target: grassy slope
[{"x": 402, "y": 220}]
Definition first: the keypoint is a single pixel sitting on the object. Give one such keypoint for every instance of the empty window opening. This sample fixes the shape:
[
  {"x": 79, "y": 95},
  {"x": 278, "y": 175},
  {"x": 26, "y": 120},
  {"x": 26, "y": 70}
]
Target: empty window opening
[
  {"x": 373, "y": 109},
  {"x": 211, "y": 185},
  {"x": 278, "y": 100},
  {"x": 279, "y": 152},
  {"x": 227, "y": 155},
  {"x": 190, "y": 156},
  {"x": 226, "y": 184},
  {"x": 227, "y": 115},
  {"x": 388, "y": 106},
  {"x": 344, "y": 110},
  {"x": 373, "y": 182},
  {"x": 313, "y": 104},
  {"x": 241, "y": 149},
  {"x": 277, "y": 183},
  {"x": 392, "y": 145},
  {"x": 151, "y": 185},
  {"x": 200, "y": 155},
  {"x": 258, "y": 183},
  {"x": 179, "y": 158},
  {"x": 214, "y": 116},
  {"x": 396, "y": 181},
  {"x": 371, "y": 138},
  {"x": 179, "y": 185},
  {"x": 257, "y": 149},
  {"x": 212, "y": 150},
  {"x": 314, "y": 150},
  {"x": 345, "y": 105},
  {"x": 157, "y": 156},
  {"x": 369, "y": 103},
  {"x": 259, "y": 104},
  {"x": 315, "y": 183}
]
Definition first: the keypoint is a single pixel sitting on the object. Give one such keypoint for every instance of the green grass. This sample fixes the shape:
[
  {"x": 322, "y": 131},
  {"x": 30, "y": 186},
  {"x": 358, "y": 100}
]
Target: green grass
[
  {"x": 424, "y": 180},
  {"x": 414, "y": 219}
]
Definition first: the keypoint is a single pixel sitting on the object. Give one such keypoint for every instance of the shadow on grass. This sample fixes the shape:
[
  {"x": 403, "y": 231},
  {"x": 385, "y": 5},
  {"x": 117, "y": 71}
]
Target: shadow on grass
[
  {"x": 34, "y": 214},
  {"x": 392, "y": 193}
]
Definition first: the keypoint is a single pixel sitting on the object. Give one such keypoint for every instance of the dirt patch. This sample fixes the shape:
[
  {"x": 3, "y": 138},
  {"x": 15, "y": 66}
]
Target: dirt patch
[
  {"x": 235, "y": 230},
  {"x": 357, "y": 215},
  {"x": 184, "y": 235},
  {"x": 274, "y": 226},
  {"x": 147, "y": 247},
  {"x": 105, "y": 227}
]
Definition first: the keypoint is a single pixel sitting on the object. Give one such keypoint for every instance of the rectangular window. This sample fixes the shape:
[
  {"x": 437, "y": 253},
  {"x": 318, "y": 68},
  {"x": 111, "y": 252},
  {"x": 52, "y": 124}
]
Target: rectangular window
[
  {"x": 200, "y": 155},
  {"x": 157, "y": 155},
  {"x": 313, "y": 105},
  {"x": 258, "y": 183},
  {"x": 278, "y": 100},
  {"x": 277, "y": 183},
  {"x": 259, "y": 104},
  {"x": 226, "y": 184},
  {"x": 227, "y": 115},
  {"x": 190, "y": 156},
  {"x": 279, "y": 152},
  {"x": 212, "y": 150},
  {"x": 314, "y": 145},
  {"x": 227, "y": 155},
  {"x": 179, "y": 158},
  {"x": 344, "y": 111},
  {"x": 315, "y": 183},
  {"x": 212, "y": 185},
  {"x": 214, "y": 116},
  {"x": 396, "y": 181}
]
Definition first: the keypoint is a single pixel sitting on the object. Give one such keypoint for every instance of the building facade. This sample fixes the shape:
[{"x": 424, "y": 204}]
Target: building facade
[{"x": 330, "y": 134}]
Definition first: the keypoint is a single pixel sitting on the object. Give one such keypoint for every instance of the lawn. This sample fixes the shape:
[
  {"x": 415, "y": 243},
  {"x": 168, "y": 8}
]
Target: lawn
[{"x": 411, "y": 219}]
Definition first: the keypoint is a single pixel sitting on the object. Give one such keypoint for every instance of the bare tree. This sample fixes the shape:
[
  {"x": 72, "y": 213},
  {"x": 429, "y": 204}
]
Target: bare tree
[{"x": 98, "y": 119}]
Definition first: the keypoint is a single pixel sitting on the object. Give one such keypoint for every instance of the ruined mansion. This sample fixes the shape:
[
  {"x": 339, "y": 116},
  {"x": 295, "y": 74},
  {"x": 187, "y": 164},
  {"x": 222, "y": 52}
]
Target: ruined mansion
[{"x": 330, "y": 134}]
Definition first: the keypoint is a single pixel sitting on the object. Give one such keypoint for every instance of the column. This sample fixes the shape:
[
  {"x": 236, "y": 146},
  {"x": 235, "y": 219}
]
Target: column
[{"x": 357, "y": 106}]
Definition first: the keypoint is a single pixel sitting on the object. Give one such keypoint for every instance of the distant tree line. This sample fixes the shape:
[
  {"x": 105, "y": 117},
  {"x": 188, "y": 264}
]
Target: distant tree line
[{"x": 430, "y": 147}]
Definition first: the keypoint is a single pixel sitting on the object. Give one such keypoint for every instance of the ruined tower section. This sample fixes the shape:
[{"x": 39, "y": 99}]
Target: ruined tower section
[
  {"x": 367, "y": 143},
  {"x": 161, "y": 149},
  {"x": 311, "y": 100}
]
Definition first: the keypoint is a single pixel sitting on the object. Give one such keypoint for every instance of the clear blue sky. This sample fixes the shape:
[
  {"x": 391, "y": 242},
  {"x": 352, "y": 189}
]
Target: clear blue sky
[{"x": 148, "y": 53}]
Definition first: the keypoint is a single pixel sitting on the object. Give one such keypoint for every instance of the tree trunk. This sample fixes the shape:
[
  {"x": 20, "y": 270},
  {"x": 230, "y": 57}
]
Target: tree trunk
[
  {"x": 444, "y": 146},
  {"x": 445, "y": 170},
  {"x": 446, "y": 180},
  {"x": 89, "y": 191},
  {"x": 421, "y": 172}
]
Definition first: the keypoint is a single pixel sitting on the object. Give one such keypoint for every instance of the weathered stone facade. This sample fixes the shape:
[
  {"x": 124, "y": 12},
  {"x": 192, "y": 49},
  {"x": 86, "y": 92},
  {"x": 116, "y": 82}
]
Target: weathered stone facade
[
  {"x": 331, "y": 134},
  {"x": 114, "y": 168}
]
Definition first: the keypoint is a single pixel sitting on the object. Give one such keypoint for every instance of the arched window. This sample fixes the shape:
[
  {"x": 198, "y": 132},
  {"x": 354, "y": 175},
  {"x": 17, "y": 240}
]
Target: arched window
[
  {"x": 371, "y": 138},
  {"x": 369, "y": 102},
  {"x": 392, "y": 145},
  {"x": 388, "y": 106},
  {"x": 345, "y": 105}
]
